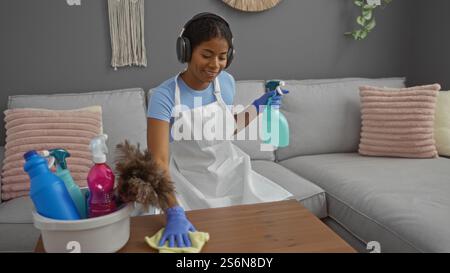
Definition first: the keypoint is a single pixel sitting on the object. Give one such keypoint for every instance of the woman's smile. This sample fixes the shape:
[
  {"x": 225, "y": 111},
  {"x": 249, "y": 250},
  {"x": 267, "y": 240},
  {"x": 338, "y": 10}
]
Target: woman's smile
[{"x": 211, "y": 74}]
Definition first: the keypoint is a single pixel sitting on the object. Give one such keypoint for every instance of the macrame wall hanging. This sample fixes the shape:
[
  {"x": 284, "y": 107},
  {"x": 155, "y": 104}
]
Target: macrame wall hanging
[
  {"x": 126, "y": 25},
  {"x": 252, "y": 5}
]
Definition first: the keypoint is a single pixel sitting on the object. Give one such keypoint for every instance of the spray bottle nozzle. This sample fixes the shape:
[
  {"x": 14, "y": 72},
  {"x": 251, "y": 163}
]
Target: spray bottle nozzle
[
  {"x": 275, "y": 85},
  {"x": 98, "y": 148},
  {"x": 60, "y": 156}
]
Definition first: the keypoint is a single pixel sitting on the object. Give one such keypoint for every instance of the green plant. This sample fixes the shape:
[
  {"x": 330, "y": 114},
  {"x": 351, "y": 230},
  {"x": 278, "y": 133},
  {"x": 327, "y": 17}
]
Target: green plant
[{"x": 366, "y": 20}]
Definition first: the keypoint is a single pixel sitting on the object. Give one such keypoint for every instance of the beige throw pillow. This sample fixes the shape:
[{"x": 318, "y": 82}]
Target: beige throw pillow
[{"x": 442, "y": 123}]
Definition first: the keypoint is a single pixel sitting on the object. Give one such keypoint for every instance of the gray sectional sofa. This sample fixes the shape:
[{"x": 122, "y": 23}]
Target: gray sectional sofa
[{"x": 403, "y": 204}]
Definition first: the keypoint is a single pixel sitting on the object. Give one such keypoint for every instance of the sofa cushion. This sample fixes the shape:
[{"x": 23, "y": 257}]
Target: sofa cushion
[
  {"x": 18, "y": 237},
  {"x": 324, "y": 115},
  {"x": 16, "y": 211},
  {"x": 43, "y": 129},
  {"x": 341, "y": 80},
  {"x": 17, "y": 232},
  {"x": 124, "y": 115},
  {"x": 2, "y": 156},
  {"x": 310, "y": 195},
  {"x": 442, "y": 123},
  {"x": 398, "y": 122},
  {"x": 402, "y": 203}
]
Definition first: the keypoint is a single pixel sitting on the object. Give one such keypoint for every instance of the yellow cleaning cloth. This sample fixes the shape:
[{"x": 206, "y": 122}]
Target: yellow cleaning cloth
[{"x": 198, "y": 240}]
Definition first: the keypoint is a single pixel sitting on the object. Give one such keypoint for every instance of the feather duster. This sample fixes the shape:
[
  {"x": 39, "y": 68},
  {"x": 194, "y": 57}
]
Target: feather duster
[{"x": 140, "y": 178}]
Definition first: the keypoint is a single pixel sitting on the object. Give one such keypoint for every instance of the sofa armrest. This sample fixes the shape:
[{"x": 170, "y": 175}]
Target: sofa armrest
[{"x": 2, "y": 156}]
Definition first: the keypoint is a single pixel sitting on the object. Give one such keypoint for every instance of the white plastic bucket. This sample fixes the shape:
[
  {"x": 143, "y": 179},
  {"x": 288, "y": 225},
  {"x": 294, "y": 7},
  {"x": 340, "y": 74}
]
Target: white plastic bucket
[{"x": 107, "y": 233}]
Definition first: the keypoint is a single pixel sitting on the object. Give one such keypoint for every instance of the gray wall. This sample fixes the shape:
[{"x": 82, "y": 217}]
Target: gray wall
[
  {"x": 430, "y": 54},
  {"x": 48, "y": 47}
]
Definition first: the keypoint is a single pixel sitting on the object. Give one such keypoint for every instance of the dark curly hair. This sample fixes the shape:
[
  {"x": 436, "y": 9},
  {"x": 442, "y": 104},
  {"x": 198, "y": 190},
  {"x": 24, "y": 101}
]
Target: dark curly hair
[{"x": 205, "y": 29}]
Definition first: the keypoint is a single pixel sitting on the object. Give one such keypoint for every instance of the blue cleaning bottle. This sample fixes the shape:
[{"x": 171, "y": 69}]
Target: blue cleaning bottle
[
  {"x": 63, "y": 172},
  {"x": 48, "y": 192},
  {"x": 275, "y": 124}
]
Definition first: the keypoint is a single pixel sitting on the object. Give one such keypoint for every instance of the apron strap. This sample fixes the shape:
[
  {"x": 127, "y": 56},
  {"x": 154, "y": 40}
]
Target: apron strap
[
  {"x": 177, "y": 91},
  {"x": 217, "y": 93}
]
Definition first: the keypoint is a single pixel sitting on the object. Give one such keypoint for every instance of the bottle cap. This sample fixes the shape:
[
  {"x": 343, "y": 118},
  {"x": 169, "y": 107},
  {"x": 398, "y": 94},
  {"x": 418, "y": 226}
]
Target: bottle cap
[
  {"x": 60, "y": 156},
  {"x": 29, "y": 154},
  {"x": 99, "y": 149}
]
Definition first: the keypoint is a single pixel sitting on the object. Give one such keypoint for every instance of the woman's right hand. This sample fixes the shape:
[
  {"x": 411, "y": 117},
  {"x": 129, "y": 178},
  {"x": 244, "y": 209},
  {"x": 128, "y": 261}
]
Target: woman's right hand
[{"x": 177, "y": 228}]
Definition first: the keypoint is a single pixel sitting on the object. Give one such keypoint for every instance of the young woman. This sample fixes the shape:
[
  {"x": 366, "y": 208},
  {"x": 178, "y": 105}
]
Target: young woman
[{"x": 206, "y": 172}]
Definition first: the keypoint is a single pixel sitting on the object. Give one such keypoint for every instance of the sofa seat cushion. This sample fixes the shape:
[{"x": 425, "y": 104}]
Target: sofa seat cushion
[
  {"x": 310, "y": 195},
  {"x": 18, "y": 237},
  {"x": 403, "y": 204},
  {"x": 17, "y": 232},
  {"x": 16, "y": 211}
]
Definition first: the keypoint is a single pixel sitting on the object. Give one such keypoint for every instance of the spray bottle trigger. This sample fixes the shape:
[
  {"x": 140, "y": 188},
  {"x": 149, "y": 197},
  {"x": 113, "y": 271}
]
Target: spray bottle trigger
[
  {"x": 51, "y": 161},
  {"x": 280, "y": 84},
  {"x": 279, "y": 91}
]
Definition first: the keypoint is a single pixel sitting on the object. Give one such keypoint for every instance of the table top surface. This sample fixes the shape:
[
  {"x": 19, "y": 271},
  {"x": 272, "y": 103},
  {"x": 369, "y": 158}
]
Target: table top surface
[{"x": 284, "y": 226}]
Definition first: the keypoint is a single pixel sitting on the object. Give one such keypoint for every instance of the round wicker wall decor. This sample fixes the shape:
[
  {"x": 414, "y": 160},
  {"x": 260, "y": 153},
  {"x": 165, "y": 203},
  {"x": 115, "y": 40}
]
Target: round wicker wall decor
[{"x": 252, "y": 5}]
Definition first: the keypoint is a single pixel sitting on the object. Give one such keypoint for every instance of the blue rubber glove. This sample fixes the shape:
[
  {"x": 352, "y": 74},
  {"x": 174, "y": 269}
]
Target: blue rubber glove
[
  {"x": 177, "y": 228},
  {"x": 262, "y": 101}
]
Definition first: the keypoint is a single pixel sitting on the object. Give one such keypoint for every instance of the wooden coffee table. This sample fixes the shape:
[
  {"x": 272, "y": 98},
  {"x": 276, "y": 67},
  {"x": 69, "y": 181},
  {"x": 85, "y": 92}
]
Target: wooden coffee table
[{"x": 284, "y": 226}]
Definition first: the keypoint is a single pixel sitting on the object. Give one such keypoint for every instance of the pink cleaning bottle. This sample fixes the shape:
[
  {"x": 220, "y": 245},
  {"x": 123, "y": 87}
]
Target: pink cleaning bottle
[{"x": 100, "y": 180}]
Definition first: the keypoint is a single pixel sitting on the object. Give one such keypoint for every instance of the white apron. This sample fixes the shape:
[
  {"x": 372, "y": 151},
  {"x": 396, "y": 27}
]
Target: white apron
[{"x": 215, "y": 173}]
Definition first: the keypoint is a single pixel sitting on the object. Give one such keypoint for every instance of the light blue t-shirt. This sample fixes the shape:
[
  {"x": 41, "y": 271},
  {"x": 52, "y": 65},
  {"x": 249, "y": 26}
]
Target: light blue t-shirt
[{"x": 162, "y": 100}]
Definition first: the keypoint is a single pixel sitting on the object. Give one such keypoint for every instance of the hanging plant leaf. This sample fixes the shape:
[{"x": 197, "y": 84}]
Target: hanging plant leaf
[
  {"x": 366, "y": 20},
  {"x": 356, "y": 34},
  {"x": 359, "y": 3},
  {"x": 371, "y": 25},
  {"x": 367, "y": 14},
  {"x": 361, "y": 21},
  {"x": 369, "y": 7},
  {"x": 363, "y": 34}
]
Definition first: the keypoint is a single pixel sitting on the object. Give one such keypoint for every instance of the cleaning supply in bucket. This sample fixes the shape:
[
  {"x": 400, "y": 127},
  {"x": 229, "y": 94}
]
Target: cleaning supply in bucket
[
  {"x": 100, "y": 180},
  {"x": 275, "y": 125},
  {"x": 140, "y": 178},
  {"x": 94, "y": 235},
  {"x": 48, "y": 192},
  {"x": 63, "y": 172},
  {"x": 198, "y": 240}
]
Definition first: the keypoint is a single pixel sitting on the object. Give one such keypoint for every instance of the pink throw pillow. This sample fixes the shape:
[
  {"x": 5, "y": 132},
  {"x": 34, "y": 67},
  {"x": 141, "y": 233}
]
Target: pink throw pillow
[
  {"x": 39, "y": 129},
  {"x": 398, "y": 122}
]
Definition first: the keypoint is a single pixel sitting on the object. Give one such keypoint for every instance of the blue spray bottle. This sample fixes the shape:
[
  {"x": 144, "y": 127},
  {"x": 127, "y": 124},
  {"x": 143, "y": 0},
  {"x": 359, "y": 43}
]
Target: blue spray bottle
[
  {"x": 63, "y": 172},
  {"x": 48, "y": 192}
]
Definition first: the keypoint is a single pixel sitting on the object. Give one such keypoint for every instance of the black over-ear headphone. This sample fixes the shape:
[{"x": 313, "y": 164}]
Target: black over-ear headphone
[{"x": 184, "y": 49}]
